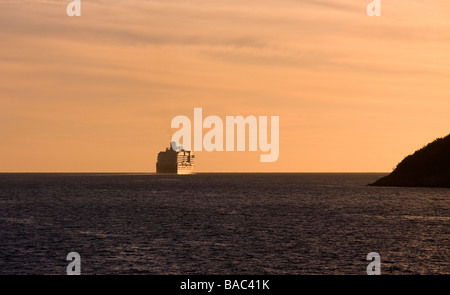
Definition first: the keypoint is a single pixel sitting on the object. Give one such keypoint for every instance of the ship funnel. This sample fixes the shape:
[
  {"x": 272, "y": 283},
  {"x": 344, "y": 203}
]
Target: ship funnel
[{"x": 174, "y": 146}]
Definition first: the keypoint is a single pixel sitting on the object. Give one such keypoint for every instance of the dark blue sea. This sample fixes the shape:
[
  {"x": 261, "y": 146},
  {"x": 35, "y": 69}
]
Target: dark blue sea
[{"x": 220, "y": 224}]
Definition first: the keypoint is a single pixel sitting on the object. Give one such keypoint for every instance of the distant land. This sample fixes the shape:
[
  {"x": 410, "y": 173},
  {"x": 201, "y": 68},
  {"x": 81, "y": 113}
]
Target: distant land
[{"x": 427, "y": 167}]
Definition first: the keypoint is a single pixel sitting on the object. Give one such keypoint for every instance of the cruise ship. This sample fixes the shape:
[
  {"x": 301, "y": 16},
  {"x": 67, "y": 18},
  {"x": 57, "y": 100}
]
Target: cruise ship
[{"x": 175, "y": 160}]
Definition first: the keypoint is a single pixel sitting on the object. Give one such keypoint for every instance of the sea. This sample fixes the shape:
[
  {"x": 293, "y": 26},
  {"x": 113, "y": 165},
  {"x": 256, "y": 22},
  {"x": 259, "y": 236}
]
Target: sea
[{"x": 220, "y": 224}]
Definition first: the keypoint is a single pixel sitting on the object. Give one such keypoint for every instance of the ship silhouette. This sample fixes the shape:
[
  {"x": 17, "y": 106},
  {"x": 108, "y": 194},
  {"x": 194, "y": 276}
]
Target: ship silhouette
[{"x": 175, "y": 160}]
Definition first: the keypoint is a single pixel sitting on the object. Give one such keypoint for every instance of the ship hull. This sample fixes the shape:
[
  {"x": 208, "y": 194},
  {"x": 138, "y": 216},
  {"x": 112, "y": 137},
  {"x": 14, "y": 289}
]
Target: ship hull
[
  {"x": 180, "y": 170},
  {"x": 184, "y": 170}
]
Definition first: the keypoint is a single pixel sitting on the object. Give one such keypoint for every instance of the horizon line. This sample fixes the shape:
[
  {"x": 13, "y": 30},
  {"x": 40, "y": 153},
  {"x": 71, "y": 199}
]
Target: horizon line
[{"x": 206, "y": 172}]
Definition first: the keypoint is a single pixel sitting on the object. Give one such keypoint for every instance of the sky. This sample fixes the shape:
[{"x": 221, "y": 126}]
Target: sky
[{"x": 97, "y": 93}]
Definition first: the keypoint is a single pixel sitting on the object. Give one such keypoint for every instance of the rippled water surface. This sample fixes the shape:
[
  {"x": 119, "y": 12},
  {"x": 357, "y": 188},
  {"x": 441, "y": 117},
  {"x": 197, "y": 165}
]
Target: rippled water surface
[{"x": 220, "y": 224}]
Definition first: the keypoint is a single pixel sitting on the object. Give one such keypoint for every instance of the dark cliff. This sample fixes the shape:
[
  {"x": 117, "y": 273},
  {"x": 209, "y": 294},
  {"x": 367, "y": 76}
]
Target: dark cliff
[{"x": 427, "y": 167}]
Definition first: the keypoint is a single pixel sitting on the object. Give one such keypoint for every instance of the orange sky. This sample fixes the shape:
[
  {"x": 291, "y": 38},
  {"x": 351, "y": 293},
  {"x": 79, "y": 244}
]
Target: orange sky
[{"x": 97, "y": 93}]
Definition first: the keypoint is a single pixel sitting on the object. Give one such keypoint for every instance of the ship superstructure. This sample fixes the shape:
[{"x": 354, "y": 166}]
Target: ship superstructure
[{"x": 175, "y": 160}]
